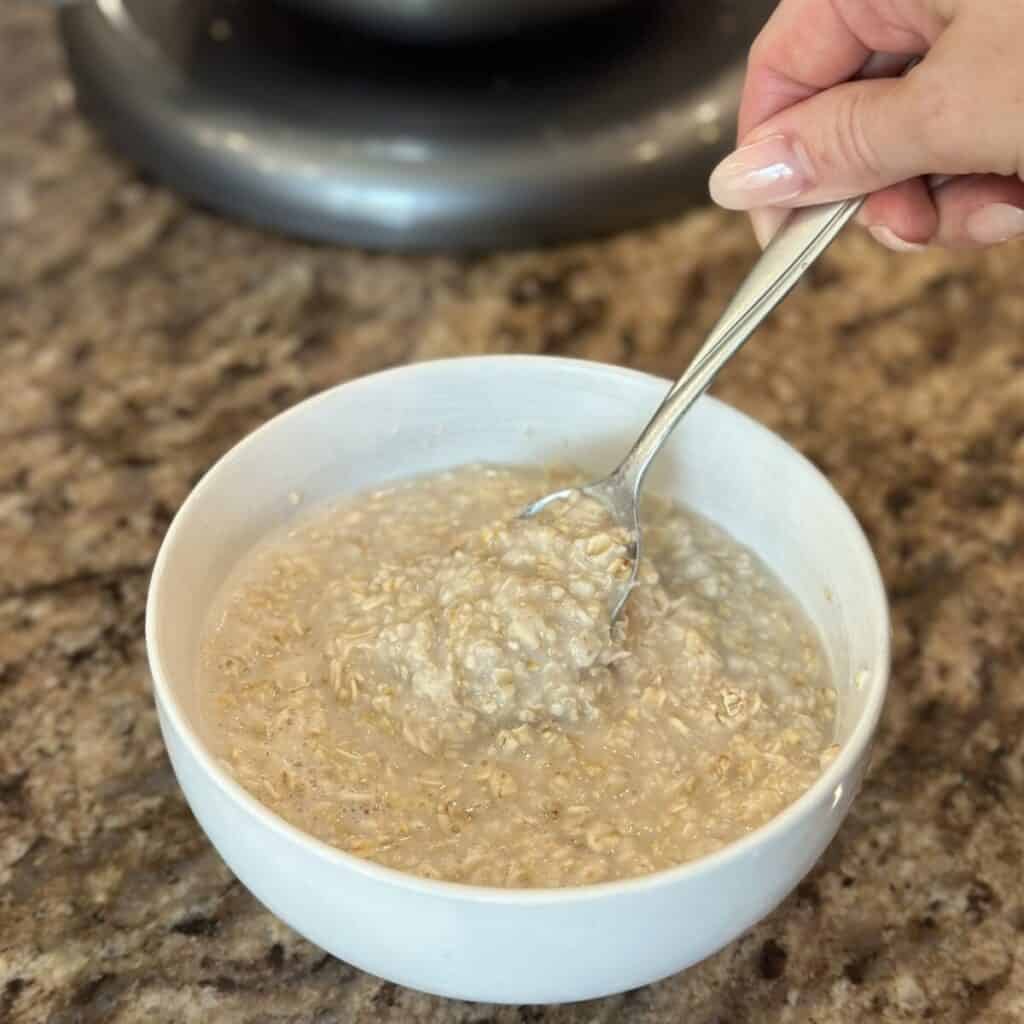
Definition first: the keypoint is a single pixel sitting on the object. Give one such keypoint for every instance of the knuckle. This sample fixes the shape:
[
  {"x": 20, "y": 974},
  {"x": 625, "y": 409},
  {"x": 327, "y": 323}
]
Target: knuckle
[
  {"x": 760, "y": 49},
  {"x": 887, "y": 26},
  {"x": 854, "y": 132}
]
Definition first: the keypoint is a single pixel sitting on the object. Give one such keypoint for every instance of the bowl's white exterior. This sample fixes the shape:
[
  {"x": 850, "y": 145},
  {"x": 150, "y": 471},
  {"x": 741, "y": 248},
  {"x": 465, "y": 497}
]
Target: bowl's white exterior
[{"x": 518, "y": 945}]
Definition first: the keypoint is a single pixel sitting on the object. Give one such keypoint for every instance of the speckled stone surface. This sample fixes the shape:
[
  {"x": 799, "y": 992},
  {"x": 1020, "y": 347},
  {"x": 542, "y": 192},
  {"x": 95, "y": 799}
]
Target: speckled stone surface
[{"x": 140, "y": 338}]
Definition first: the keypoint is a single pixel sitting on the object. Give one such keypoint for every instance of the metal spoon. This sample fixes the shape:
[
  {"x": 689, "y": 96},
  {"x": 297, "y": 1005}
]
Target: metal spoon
[{"x": 798, "y": 243}]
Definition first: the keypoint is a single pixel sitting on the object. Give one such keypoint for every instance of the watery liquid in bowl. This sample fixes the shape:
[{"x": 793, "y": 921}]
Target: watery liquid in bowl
[{"x": 421, "y": 679}]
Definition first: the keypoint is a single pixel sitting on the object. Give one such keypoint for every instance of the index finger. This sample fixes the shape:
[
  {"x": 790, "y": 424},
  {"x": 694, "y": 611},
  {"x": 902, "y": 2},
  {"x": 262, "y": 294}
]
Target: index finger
[{"x": 810, "y": 45}]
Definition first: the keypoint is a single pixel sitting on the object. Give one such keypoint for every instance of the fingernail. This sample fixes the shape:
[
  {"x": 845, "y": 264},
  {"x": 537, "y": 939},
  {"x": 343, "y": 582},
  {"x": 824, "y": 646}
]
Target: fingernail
[
  {"x": 764, "y": 173},
  {"x": 883, "y": 235},
  {"x": 998, "y": 222},
  {"x": 766, "y": 221}
]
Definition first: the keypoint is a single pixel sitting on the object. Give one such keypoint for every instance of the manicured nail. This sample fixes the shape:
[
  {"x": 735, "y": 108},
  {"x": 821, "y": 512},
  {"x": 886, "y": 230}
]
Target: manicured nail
[
  {"x": 764, "y": 173},
  {"x": 881, "y": 234},
  {"x": 766, "y": 222},
  {"x": 998, "y": 222}
]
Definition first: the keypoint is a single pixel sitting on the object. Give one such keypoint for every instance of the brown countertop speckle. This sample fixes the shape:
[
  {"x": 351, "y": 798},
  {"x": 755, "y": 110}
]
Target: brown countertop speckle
[{"x": 140, "y": 338}]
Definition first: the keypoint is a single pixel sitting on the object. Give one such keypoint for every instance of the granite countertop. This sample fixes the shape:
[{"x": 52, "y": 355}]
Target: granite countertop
[{"x": 141, "y": 337}]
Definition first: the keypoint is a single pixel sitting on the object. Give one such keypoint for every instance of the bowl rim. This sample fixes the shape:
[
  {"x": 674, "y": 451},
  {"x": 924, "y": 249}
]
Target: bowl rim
[{"x": 858, "y": 742}]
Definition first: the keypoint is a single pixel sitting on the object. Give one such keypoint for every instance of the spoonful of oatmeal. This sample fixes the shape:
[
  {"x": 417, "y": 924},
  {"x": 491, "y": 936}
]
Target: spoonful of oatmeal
[{"x": 799, "y": 242}]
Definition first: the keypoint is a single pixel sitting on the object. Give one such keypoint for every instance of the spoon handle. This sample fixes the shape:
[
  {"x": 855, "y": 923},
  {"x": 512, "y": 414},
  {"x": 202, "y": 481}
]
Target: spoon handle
[
  {"x": 804, "y": 236},
  {"x": 798, "y": 243}
]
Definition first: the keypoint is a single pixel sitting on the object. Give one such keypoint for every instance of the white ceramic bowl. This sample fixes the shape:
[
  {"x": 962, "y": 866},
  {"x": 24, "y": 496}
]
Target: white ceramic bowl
[{"x": 547, "y": 945}]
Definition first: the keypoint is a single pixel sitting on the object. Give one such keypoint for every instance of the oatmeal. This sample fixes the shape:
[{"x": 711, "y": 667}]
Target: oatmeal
[
  {"x": 421, "y": 678},
  {"x": 508, "y": 626}
]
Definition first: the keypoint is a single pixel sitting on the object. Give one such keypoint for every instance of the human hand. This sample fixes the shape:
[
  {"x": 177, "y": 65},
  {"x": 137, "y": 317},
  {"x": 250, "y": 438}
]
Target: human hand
[{"x": 810, "y": 135}]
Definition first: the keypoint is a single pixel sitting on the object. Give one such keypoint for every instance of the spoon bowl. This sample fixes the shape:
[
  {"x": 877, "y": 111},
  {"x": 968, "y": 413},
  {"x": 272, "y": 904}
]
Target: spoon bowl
[
  {"x": 615, "y": 494},
  {"x": 798, "y": 243}
]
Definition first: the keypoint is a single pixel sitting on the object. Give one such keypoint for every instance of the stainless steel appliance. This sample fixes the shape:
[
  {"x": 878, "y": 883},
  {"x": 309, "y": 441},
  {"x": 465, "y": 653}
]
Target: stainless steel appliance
[
  {"x": 315, "y": 122},
  {"x": 436, "y": 20}
]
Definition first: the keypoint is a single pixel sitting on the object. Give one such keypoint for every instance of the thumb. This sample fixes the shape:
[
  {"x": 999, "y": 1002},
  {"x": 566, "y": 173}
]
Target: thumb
[{"x": 849, "y": 140}]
